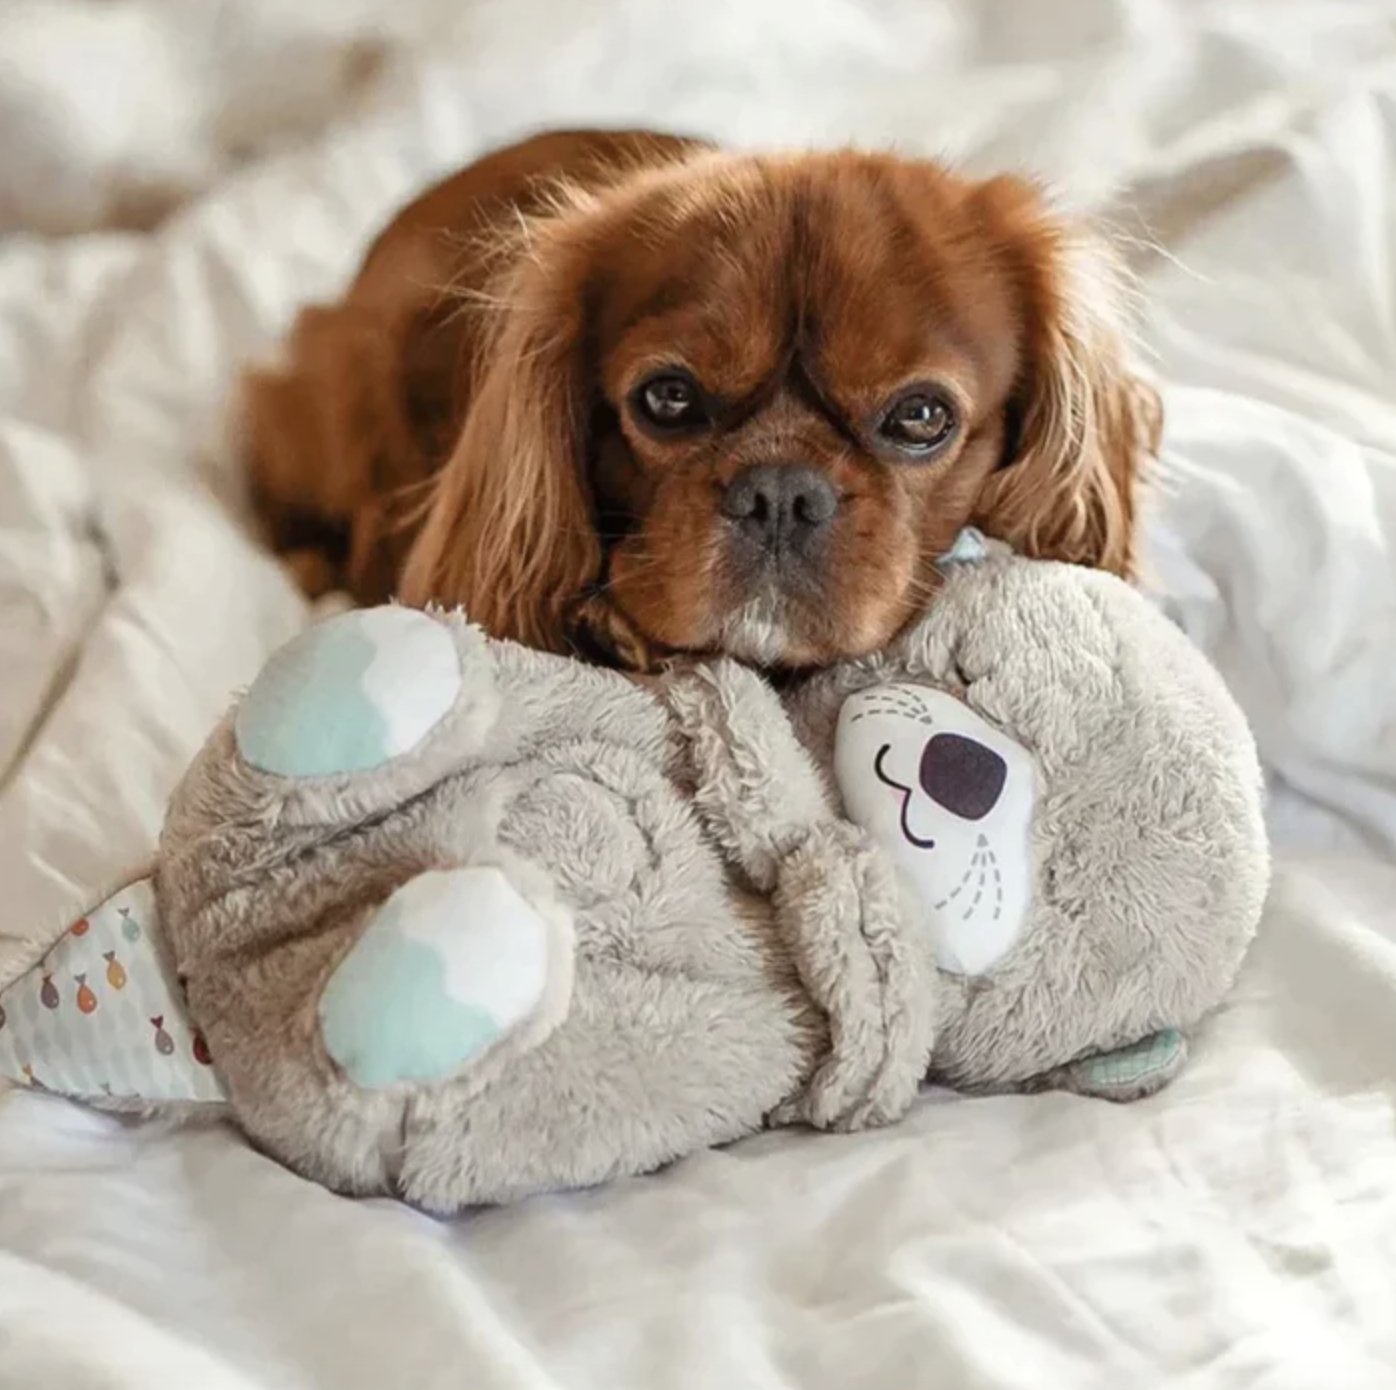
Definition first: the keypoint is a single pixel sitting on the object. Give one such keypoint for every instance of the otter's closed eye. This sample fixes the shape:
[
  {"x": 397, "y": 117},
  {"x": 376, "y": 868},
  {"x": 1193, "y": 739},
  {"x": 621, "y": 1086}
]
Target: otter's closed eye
[{"x": 962, "y": 775}]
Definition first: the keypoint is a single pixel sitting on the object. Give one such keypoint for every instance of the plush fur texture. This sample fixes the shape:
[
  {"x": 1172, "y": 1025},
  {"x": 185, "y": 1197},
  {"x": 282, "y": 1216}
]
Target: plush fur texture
[
  {"x": 743, "y": 955},
  {"x": 1148, "y": 834},
  {"x": 467, "y": 426}
]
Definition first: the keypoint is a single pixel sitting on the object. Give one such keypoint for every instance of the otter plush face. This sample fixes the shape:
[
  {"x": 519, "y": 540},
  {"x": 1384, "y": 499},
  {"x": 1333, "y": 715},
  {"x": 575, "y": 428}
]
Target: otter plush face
[{"x": 950, "y": 799}]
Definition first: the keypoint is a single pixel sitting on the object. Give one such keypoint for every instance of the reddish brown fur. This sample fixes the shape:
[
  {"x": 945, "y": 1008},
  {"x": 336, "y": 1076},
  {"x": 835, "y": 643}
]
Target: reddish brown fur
[{"x": 809, "y": 288}]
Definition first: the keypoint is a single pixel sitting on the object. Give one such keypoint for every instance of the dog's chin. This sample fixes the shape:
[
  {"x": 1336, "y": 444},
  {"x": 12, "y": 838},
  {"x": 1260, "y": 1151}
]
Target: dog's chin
[
  {"x": 772, "y": 629},
  {"x": 759, "y": 632},
  {"x": 774, "y": 615},
  {"x": 768, "y": 619}
]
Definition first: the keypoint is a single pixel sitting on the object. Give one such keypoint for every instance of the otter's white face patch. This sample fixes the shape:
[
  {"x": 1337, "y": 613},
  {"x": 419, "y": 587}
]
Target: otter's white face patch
[{"x": 950, "y": 799}]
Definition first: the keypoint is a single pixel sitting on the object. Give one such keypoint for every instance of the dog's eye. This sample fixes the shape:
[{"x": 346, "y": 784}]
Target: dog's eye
[
  {"x": 919, "y": 422},
  {"x": 671, "y": 401}
]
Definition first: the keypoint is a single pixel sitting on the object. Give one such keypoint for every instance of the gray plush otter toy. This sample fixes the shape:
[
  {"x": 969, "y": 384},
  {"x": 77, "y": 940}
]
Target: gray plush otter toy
[{"x": 459, "y": 921}]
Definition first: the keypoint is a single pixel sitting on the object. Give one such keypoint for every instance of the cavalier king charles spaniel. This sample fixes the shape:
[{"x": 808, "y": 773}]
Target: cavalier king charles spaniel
[{"x": 630, "y": 395}]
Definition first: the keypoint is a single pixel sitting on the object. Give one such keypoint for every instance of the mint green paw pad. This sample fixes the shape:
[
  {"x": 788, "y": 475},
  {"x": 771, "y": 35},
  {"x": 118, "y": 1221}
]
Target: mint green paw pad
[
  {"x": 349, "y": 694},
  {"x": 1131, "y": 1072},
  {"x": 453, "y": 962}
]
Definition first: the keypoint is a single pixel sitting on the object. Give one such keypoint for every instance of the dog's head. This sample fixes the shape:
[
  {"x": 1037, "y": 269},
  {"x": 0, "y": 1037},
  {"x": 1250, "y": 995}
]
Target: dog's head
[{"x": 742, "y": 403}]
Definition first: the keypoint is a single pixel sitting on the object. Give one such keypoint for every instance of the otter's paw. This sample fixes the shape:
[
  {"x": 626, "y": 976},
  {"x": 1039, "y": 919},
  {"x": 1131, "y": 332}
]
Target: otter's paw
[
  {"x": 350, "y": 694},
  {"x": 456, "y": 964}
]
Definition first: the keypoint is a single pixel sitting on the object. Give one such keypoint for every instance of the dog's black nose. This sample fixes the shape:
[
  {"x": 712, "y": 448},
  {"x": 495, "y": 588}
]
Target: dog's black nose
[{"x": 780, "y": 505}]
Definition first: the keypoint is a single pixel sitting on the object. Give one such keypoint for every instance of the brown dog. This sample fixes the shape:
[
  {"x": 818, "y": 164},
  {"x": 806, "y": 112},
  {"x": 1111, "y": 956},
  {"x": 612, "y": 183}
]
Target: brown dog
[{"x": 634, "y": 394}]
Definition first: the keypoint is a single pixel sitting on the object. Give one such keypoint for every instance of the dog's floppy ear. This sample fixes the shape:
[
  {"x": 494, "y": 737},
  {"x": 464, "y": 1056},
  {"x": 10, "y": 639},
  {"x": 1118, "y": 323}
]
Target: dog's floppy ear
[
  {"x": 510, "y": 532},
  {"x": 1084, "y": 424}
]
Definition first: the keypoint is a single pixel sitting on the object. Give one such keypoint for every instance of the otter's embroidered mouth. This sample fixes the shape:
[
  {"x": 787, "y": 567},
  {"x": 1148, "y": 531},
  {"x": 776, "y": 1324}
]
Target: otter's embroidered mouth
[{"x": 911, "y": 836}]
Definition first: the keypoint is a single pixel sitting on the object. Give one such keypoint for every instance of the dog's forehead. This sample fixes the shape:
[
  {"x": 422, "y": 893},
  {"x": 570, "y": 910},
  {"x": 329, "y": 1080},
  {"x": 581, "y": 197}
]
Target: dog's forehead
[{"x": 741, "y": 265}]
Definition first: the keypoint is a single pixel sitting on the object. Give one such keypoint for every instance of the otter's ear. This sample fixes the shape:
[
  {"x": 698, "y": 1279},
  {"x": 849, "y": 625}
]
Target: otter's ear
[
  {"x": 510, "y": 530},
  {"x": 1087, "y": 424}
]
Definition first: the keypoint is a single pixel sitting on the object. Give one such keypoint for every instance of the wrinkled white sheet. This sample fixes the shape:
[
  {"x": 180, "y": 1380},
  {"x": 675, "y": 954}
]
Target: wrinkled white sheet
[{"x": 1240, "y": 1229}]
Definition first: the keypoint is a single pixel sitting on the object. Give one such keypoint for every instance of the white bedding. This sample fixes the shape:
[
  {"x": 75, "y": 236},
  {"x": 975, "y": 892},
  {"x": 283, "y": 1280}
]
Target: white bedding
[{"x": 1239, "y": 1229}]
